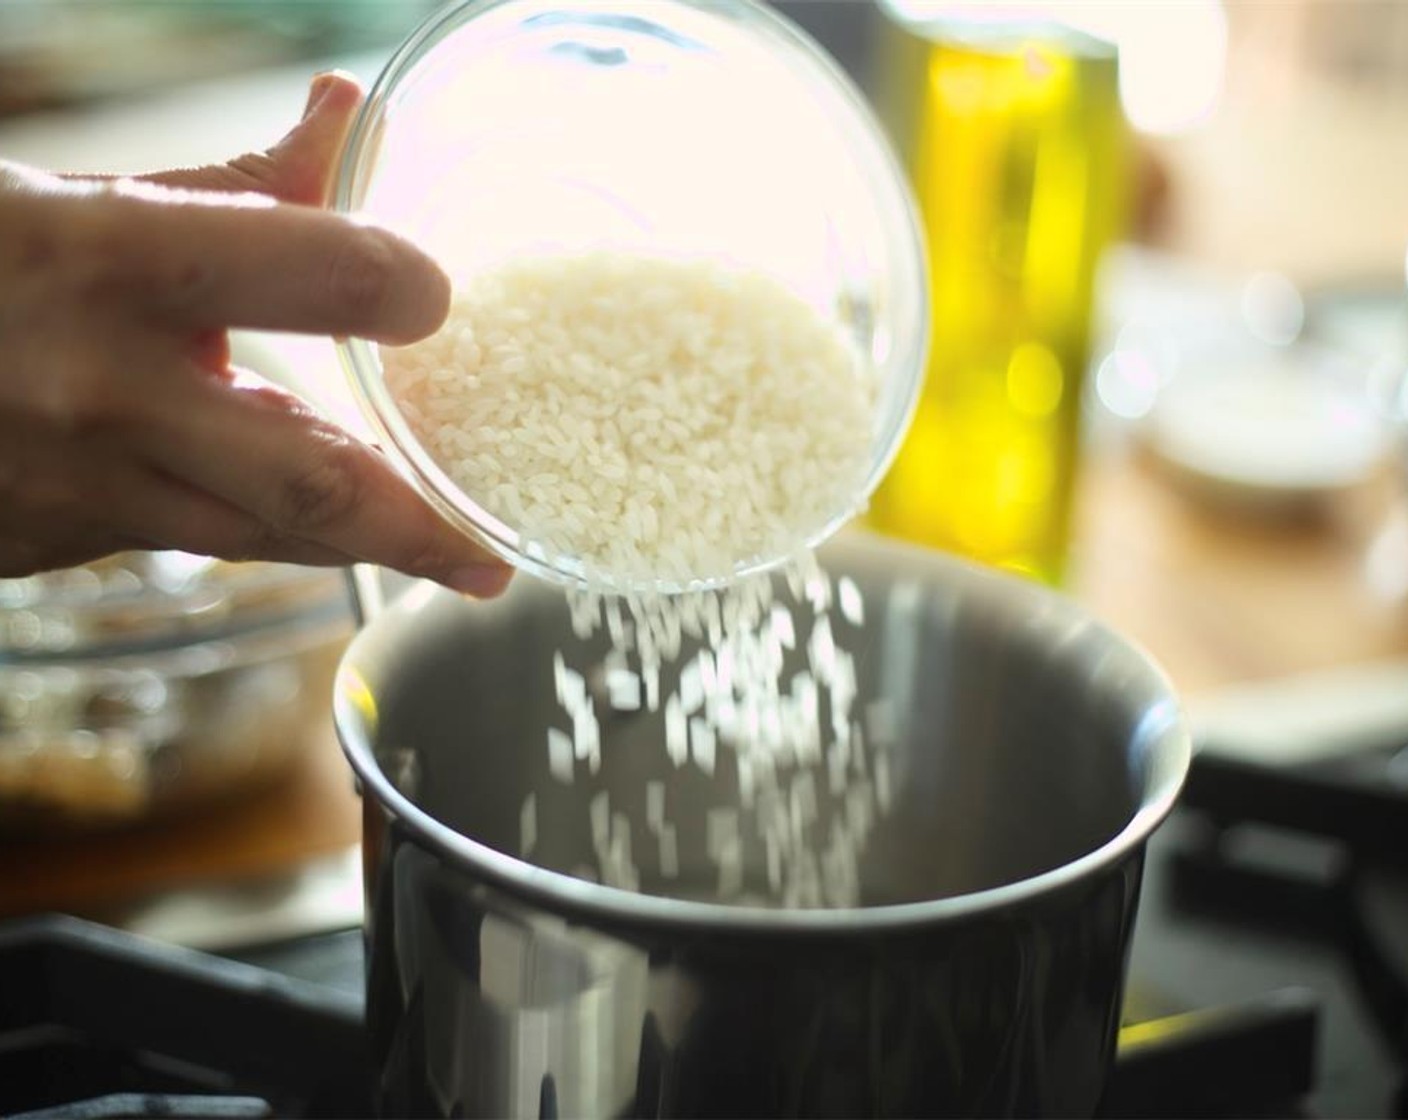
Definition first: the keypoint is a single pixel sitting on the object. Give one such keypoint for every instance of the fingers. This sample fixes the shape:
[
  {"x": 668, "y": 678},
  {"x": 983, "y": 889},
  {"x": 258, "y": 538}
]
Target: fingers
[
  {"x": 261, "y": 451},
  {"x": 166, "y": 447},
  {"x": 164, "y": 512},
  {"x": 300, "y": 167},
  {"x": 19, "y": 558},
  {"x": 90, "y": 496},
  {"x": 88, "y": 493},
  {"x": 201, "y": 260},
  {"x": 243, "y": 245}
]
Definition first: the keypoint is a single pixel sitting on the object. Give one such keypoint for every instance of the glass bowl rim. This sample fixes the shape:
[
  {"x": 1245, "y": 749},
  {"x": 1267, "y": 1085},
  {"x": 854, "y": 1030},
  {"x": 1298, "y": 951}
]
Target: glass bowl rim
[{"x": 857, "y": 130}]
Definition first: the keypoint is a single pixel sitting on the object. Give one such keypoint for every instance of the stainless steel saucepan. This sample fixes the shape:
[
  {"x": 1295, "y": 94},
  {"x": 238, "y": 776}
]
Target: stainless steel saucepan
[{"x": 1033, "y": 753}]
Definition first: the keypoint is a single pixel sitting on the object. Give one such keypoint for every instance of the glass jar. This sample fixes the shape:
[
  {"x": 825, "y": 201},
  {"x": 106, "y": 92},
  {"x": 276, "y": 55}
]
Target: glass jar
[{"x": 1015, "y": 140}]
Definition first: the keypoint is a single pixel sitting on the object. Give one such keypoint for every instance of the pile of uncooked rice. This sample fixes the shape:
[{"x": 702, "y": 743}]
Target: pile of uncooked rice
[{"x": 662, "y": 421}]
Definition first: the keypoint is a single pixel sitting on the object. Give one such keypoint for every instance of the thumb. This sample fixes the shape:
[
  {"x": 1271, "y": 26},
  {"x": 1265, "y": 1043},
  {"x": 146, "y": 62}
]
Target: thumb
[{"x": 300, "y": 167}]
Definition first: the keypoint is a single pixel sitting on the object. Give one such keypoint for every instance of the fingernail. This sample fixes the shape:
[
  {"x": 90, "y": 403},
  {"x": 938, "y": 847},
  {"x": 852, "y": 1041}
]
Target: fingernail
[
  {"x": 317, "y": 90},
  {"x": 483, "y": 581}
]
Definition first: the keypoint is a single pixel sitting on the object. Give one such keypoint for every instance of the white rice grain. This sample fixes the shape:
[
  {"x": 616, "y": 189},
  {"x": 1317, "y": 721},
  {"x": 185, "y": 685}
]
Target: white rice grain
[
  {"x": 654, "y": 805},
  {"x": 560, "y": 755},
  {"x": 669, "y": 852},
  {"x": 528, "y": 826},
  {"x": 676, "y": 732},
  {"x": 849, "y": 599},
  {"x": 721, "y": 421},
  {"x": 703, "y": 743}
]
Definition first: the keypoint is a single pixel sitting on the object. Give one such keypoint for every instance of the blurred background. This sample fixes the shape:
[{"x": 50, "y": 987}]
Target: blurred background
[
  {"x": 1136, "y": 198},
  {"x": 1167, "y": 244}
]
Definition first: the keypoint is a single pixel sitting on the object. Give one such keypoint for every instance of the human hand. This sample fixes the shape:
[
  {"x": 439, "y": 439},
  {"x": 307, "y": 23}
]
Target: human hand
[{"x": 123, "y": 424}]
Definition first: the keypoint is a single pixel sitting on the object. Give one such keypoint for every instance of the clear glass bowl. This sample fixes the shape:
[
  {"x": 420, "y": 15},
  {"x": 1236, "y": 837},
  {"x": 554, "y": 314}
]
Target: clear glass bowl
[
  {"x": 151, "y": 683},
  {"x": 504, "y": 127},
  {"x": 134, "y": 601}
]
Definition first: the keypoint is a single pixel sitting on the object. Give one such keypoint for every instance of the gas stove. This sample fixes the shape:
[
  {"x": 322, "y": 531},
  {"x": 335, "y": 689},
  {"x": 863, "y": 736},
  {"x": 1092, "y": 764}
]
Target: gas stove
[
  {"x": 1273, "y": 1008},
  {"x": 1268, "y": 974}
]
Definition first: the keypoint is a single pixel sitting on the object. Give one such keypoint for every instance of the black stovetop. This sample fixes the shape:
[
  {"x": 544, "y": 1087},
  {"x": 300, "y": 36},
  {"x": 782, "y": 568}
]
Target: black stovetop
[{"x": 1250, "y": 995}]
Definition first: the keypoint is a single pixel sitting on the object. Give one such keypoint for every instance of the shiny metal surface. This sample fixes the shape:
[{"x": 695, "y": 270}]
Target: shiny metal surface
[{"x": 1037, "y": 751}]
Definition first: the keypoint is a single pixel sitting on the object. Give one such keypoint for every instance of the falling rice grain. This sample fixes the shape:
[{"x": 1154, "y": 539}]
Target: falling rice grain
[
  {"x": 704, "y": 743},
  {"x": 560, "y": 755},
  {"x": 676, "y": 732},
  {"x": 654, "y": 805},
  {"x": 849, "y": 598},
  {"x": 528, "y": 826},
  {"x": 669, "y": 852}
]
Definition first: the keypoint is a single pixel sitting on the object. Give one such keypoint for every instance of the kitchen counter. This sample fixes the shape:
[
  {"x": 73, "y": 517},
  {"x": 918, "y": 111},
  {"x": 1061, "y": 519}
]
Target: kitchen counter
[{"x": 1222, "y": 597}]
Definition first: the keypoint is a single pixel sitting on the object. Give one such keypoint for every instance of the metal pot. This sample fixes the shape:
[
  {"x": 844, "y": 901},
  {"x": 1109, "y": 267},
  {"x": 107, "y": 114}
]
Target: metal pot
[{"x": 1035, "y": 752}]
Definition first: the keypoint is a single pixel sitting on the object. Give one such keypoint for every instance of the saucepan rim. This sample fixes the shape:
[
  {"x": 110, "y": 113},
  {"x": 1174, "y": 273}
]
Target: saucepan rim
[{"x": 1168, "y": 750}]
